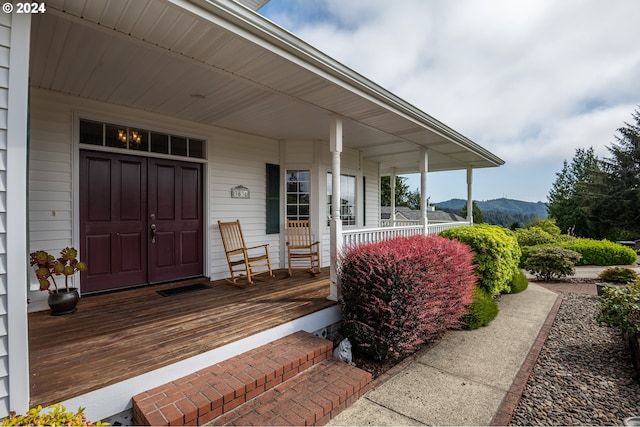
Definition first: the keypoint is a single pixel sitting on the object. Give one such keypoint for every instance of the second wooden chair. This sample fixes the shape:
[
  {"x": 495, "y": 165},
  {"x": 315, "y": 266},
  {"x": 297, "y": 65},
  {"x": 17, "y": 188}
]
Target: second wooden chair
[{"x": 300, "y": 246}]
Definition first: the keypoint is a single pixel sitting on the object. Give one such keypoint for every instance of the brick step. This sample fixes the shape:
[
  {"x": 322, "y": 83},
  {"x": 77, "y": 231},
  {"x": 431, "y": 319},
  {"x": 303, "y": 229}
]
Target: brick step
[
  {"x": 312, "y": 397},
  {"x": 204, "y": 395}
]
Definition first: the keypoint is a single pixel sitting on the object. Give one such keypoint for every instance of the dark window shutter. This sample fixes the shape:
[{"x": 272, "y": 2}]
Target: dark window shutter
[{"x": 273, "y": 199}]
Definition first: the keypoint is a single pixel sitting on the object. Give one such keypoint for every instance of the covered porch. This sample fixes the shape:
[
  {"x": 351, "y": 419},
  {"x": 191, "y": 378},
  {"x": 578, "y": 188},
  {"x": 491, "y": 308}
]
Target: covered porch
[
  {"x": 115, "y": 339},
  {"x": 255, "y": 96}
]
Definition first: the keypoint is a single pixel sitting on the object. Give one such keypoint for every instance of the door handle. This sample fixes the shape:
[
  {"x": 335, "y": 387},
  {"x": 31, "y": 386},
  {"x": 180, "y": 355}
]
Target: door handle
[{"x": 153, "y": 233}]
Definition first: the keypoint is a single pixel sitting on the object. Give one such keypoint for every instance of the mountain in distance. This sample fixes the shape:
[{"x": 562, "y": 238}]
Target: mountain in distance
[{"x": 505, "y": 206}]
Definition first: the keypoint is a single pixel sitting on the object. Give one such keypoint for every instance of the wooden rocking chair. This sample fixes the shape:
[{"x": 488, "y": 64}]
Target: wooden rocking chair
[
  {"x": 243, "y": 260},
  {"x": 301, "y": 246}
]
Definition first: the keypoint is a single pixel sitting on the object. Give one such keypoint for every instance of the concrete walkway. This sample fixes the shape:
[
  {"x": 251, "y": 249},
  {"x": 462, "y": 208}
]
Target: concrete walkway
[{"x": 470, "y": 377}]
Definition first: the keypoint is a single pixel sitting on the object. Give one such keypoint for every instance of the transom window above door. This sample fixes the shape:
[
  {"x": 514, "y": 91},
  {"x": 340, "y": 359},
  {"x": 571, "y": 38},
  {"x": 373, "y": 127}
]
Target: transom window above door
[{"x": 136, "y": 139}]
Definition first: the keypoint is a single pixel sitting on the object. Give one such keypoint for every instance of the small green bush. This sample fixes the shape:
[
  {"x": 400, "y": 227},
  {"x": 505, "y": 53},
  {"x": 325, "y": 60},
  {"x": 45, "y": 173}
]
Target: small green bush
[
  {"x": 519, "y": 282},
  {"x": 594, "y": 252},
  {"x": 496, "y": 253},
  {"x": 602, "y": 252},
  {"x": 482, "y": 310},
  {"x": 618, "y": 275},
  {"x": 57, "y": 416},
  {"x": 532, "y": 236},
  {"x": 548, "y": 263},
  {"x": 619, "y": 307}
]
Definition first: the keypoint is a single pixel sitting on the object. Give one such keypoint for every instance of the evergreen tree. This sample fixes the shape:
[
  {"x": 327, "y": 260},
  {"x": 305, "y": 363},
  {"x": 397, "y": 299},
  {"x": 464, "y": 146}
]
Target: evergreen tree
[
  {"x": 477, "y": 213},
  {"x": 618, "y": 206},
  {"x": 570, "y": 198},
  {"x": 404, "y": 197}
]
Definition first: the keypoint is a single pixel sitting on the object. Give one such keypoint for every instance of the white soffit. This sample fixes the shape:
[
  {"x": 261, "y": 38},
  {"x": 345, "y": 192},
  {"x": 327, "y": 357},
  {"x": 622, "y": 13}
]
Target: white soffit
[{"x": 218, "y": 63}]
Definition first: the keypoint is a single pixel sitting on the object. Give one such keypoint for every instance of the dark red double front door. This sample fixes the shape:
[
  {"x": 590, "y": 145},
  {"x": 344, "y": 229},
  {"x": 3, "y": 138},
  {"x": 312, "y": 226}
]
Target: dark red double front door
[{"x": 140, "y": 220}]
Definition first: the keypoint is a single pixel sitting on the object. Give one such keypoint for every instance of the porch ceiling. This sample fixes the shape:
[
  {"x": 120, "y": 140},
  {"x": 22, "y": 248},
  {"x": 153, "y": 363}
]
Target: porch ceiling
[{"x": 218, "y": 63}]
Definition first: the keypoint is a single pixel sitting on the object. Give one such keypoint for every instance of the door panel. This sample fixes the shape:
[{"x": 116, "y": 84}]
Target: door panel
[
  {"x": 121, "y": 197},
  {"x": 175, "y": 208},
  {"x": 112, "y": 220}
]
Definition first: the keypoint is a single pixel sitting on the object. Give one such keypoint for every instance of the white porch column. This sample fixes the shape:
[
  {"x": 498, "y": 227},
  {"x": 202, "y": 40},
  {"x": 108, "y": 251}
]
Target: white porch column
[
  {"x": 14, "y": 279},
  {"x": 469, "y": 195},
  {"x": 392, "y": 197},
  {"x": 335, "y": 146},
  {"x": 424, "y": 168}
]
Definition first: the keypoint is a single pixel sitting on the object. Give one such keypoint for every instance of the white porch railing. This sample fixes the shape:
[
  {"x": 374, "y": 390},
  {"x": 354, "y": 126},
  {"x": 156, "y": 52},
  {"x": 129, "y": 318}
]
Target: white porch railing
[
  {"x": 372, "y": 235},
  {"x": 398, "y": 223}
]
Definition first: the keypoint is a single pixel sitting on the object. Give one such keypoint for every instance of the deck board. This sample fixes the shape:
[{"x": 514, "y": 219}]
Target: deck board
[{"x": 116, "y": 336}]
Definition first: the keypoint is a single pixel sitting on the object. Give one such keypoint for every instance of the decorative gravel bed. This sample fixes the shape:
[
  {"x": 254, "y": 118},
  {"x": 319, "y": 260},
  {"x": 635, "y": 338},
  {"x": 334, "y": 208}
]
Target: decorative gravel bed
[{"x": 584, "y": 375}]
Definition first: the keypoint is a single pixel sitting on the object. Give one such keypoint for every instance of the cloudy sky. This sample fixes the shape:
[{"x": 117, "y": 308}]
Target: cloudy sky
[{"x": 530, "y": 80}]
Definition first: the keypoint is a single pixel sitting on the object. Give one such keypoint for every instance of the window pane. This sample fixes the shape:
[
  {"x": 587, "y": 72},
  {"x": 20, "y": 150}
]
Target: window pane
[
  {"x": 292, "y": 187},
  {"x": 304, "y": 176},
  {"x": 139, "y": 139},
  {"x": 292, "y": 211},
  {"x": 159, "y": 143},
  {"x": 90, "y": 132},
  {"x": 304, "y": 187},
  {"x": 115, "y": 136},
  {"x": 178, "y": 146},
  {"x": 196, "y": 148}
]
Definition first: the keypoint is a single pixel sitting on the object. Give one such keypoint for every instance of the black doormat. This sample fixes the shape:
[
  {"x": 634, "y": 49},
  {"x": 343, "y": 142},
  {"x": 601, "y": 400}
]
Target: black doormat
[{"x": 183, "y": 289}]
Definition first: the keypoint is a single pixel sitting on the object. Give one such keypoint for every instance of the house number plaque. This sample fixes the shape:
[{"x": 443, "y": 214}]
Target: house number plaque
[{"x": 240, "y": 192}]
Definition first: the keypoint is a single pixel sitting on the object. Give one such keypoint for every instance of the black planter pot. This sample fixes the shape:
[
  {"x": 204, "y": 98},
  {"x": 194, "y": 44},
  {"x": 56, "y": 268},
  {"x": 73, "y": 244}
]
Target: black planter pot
[
  {"x": 63, "y": 302},
  {"x": 634, "y": 346}
]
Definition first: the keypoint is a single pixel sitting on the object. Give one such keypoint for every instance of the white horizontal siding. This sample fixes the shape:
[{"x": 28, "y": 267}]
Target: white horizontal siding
[
  {"x": 50, "y": 171},
  {"x": 298, "y": 152},
  {"x": 231, "y": 165}
]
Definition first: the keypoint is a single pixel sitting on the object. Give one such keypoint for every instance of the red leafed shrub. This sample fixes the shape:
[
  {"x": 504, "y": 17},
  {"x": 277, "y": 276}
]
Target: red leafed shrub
[{"x": 401, "y": 293}]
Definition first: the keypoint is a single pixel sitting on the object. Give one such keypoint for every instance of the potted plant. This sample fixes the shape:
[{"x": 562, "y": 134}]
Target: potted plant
[{"x": 61, "y": 301}]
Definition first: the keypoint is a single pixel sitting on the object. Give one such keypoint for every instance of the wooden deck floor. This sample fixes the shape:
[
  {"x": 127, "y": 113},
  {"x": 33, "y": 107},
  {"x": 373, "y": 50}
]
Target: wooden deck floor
[{"x": 117, "y": 336}]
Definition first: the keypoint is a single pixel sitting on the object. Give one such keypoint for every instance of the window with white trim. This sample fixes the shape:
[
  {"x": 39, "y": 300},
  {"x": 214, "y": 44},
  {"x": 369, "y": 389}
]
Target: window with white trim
[
  {"x": 298, "y": 193},
  {"x": 136, "y": 139},
  {"x": 347, "y": 198}
]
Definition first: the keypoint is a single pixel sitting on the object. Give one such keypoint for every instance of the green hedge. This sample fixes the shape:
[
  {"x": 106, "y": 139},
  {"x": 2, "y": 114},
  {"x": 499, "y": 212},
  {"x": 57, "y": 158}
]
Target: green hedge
[
  {"x": 594, "y": 252},
  {"x": 496, "y": 254}
]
